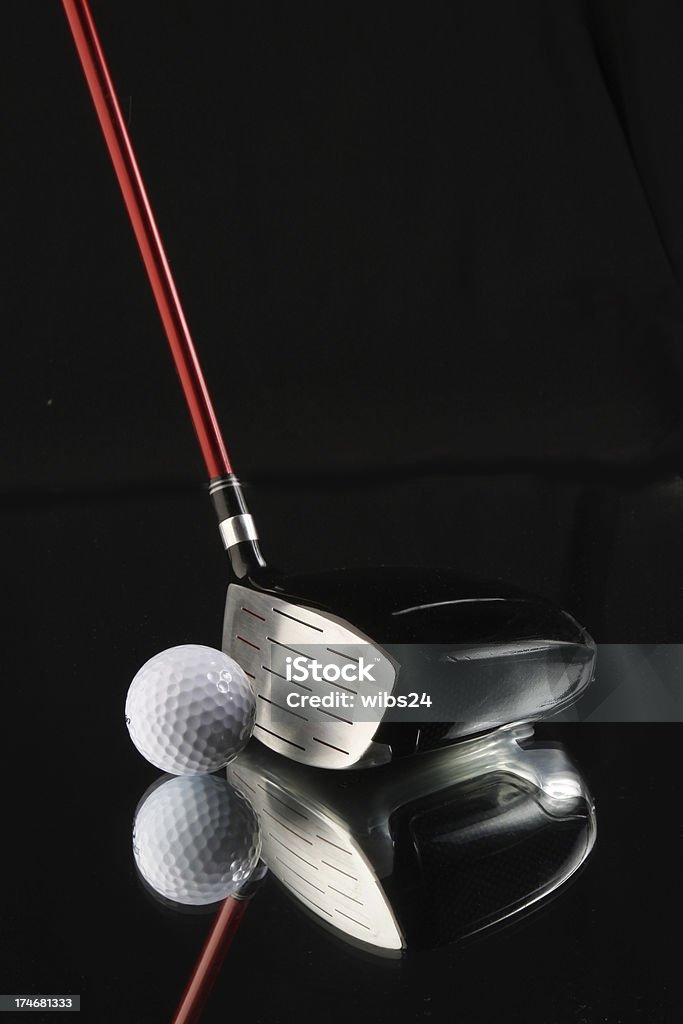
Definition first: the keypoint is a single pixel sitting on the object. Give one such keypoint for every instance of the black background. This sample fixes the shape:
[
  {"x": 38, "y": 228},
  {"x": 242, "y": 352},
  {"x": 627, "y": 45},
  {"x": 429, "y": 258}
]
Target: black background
[{"x": 432, "y": 261}]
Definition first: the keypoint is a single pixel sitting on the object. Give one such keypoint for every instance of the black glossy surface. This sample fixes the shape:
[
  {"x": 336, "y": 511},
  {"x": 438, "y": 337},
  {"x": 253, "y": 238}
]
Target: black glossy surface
[{"x": 96, "y": 588}]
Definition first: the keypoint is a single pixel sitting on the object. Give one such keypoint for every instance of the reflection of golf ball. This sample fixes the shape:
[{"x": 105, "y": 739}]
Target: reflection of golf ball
[
  {"x": 195, "y": 840},
  {"x": 190, "y": 709}
]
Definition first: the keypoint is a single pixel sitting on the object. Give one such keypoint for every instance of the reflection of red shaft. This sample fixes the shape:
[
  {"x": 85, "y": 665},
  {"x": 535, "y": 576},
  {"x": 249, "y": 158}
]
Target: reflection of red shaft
[
  {"x": 148, "y": 238},
  {"x": 210, "y": 961}
]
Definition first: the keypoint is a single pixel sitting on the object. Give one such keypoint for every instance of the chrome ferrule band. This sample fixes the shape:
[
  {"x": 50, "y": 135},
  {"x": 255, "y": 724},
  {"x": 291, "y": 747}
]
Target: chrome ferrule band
[
  {"x": 223, "y": 483},
  {"x": 237, "y": 529}
]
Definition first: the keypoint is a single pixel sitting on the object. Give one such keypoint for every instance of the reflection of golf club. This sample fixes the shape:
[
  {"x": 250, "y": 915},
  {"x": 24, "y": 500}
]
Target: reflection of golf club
[
  {"x": 210, "y": 961},
  {"x": 400, "y": 607},
  {"x": 213, "y": 954},
  {"x": 422, "y": 853}
]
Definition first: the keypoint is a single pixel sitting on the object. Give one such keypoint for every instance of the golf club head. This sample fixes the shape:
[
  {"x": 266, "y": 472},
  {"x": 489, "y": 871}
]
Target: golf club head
[
  {"x": 486, "y": 655},
  {"x": 422, "y": 853}
]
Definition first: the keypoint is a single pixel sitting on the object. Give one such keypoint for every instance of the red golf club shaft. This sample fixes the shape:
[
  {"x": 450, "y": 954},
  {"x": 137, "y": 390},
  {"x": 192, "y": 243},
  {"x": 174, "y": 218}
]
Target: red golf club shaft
[
  {"x": 210, "y": 961},
  {"x": 148, "y": 238}
]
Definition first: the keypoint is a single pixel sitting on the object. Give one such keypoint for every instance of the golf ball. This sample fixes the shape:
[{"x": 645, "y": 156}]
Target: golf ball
[
  {"x": 195, "y": 839},
  {"x": 190, "y": 709}
]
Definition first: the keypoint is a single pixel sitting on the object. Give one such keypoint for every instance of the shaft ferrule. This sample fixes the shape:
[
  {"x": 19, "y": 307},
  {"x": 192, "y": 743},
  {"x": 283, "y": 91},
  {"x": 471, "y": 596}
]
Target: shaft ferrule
[{"x": 237, "y": 528}]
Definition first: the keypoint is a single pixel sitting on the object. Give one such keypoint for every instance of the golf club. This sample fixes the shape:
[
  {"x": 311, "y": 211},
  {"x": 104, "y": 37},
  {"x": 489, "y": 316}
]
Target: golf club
[{"x": 499, "y": 655}]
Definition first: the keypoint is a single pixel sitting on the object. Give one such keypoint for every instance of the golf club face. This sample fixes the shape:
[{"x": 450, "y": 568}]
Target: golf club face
[
  {"x": 488, "y": 656},
  {"x": 421, "y": 854}
]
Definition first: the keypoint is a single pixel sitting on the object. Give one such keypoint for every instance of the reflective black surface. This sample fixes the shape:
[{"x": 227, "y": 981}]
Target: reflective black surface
[{"x": 96, "y": 587}]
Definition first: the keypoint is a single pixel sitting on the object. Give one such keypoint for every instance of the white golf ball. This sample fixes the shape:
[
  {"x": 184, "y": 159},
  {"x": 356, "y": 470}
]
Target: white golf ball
[
  {"x": 195, "y": 839},
  {"x": 190, "y": 709}
]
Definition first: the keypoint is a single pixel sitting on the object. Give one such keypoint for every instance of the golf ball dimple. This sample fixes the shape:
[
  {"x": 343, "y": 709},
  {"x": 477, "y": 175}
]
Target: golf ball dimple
[
  {"x": 190, "y": 709},
  {"x": 195, "y": 839}
]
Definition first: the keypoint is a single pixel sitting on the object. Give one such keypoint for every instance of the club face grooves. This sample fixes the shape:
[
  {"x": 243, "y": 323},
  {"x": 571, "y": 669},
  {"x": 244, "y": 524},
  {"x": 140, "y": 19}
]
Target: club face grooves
[
  {"x": 321, "y": 863},
  {"x": 259, "y": 622}
]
